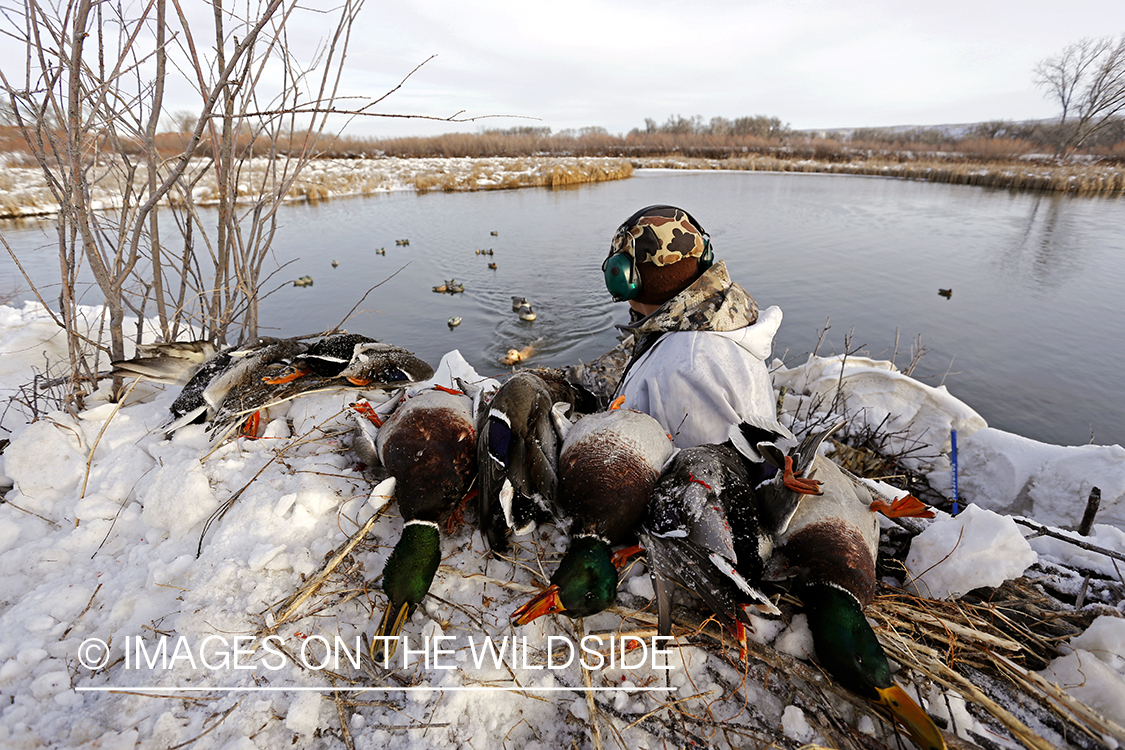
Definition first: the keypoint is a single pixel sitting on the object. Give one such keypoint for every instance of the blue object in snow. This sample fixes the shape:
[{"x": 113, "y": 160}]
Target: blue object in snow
[{"x": 953, "y": 459}]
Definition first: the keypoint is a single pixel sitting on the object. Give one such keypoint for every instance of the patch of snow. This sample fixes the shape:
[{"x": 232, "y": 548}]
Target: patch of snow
[{"x": 976, "y": 548}]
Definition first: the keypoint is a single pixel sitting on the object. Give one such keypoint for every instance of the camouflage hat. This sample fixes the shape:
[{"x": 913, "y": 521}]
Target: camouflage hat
[{"x": 666, "y": 245}]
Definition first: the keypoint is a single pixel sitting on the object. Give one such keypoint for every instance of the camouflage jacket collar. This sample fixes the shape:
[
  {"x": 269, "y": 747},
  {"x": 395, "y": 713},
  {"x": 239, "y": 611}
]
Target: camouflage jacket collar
[{"x": 712, "y": 303}]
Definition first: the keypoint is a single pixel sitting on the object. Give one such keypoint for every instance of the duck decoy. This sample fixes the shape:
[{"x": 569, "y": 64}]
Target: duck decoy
[
  {"x": 303, "y": 281},
  {"x": 428, "y": 445},
  {"x": 381, "y": 251},
  {"x": 526, "y": 313},
  {"x": 454, "y": 321},
  {"x": 831, "y": 540},
  {"x": 947, "y": 293},
  {"x": 442, "y": 288},
  {"x": 494, "y": 233},
  {"x": 492, "y": 266},
  {"x": 519, "y": 435},
  {"x": 172, "y": 363},
  {"x": 608, "y": 466},
  {"x": 518, "y": 302},
  {"x": 335, "y": 264},
  {"x": 453, "y": 286},
  {"x": 489, "y": 251}
]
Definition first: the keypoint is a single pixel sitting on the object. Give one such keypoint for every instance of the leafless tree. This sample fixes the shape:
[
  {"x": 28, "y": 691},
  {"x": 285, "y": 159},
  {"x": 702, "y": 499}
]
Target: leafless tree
[
  {"x": 1087, "y": 80},
  {"x": 89, "y": 102}
]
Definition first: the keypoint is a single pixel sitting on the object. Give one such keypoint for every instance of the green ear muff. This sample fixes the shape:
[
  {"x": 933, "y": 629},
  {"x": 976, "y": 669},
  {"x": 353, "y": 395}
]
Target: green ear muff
[
  {"x": 620, "y": 269},
  {"x": 708, "y": 258},
  {"x": 621, "y": 277}
]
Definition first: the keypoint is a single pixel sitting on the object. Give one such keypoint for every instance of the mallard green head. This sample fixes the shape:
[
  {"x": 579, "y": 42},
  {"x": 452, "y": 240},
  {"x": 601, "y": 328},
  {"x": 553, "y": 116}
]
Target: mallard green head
[
  {"x": 847, "y": 648},
  {"x": 846, "y": 645},
  {"x": 406, "y": 578},
  {"x": 584, "y": 584}
]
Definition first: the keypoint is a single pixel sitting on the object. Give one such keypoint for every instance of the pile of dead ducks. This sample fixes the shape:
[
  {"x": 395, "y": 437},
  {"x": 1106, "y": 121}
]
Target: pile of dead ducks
[{"x": 737, "y": 523}]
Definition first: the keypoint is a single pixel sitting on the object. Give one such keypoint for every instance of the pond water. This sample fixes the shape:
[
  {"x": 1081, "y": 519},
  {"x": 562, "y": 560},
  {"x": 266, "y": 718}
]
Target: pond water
[{"x": 1031, "y": 336}]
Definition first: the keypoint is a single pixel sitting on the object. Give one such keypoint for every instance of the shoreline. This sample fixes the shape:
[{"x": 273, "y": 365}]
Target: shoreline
[{"x": 24, "y": 192}]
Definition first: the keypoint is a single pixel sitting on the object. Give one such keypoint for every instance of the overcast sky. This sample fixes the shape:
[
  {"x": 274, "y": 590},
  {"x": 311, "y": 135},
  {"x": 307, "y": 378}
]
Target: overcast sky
[{"x": 811, "y": 63}]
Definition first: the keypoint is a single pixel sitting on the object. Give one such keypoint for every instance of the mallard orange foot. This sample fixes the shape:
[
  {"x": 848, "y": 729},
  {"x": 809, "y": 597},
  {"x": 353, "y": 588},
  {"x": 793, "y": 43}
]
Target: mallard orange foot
[
  {"x": 288, "y": 376},
  {"x": 456, "y": 518},
  {"x": 904, "y": 507},
  {"x": 366, "y": 410},
  {"x": 795, "y": 482},
  {"x": 621, "y": 557},
  {"x": 250, "y": 426}
]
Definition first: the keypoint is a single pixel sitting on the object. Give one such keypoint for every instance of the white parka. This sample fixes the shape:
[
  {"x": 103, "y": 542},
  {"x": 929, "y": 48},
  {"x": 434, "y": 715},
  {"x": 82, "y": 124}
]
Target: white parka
[{"x": 698, "y": 384}]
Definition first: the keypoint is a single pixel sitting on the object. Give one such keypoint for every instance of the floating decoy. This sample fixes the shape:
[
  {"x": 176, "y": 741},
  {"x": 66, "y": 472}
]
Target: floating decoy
[
  {"x": 173, "y": 362},
  {"x": 381, "y": 251},
  {"x": 519, "y": 436},
  {"x": 454, "y": 321},
  {"x": 335, "y": 264},
  {"x": 429, "y": 446},
  {"x": 947, "y": 293},
  {"x": 608, "y": 466},
  {"x": 494, "y": 233},
  {"x": 303, "y": 281},
  {"x": 489, "y": 251},
  {"x": 402, "y": 242},
  {"x": 453, "y": 286},
  {"x": 832, "y": 541},
  {"x": 526, "y": 313},
  {"x": 492, "y": 266},
  {"x": 442, "y": 288},
  {"x": 518, "y": 302}
]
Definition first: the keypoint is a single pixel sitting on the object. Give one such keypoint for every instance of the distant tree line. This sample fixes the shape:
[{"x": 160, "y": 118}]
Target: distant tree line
[
  {"x": 759, "y": 126},
  {"x": 720, "y": 138}
]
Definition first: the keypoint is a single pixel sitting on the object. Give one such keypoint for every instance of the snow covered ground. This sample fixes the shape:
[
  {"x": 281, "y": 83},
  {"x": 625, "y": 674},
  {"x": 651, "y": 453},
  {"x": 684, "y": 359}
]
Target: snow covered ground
[
  {"x": 128, "y": 621},
  {"x": 24, "y": 190}
]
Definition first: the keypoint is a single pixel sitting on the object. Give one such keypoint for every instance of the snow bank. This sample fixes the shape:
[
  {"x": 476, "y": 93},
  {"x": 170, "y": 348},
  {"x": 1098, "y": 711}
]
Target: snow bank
[
  {"x": 997, "y": 470},
  {"x": 1049, "y": 483}
]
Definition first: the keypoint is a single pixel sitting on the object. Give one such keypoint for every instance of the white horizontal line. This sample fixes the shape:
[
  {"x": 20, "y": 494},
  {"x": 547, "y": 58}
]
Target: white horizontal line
[{"x": 465, "y": 688}]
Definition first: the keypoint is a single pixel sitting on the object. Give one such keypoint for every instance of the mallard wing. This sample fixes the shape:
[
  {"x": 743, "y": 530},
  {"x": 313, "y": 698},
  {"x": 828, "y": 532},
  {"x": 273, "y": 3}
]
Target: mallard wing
[{"x": 517, "y": 452}]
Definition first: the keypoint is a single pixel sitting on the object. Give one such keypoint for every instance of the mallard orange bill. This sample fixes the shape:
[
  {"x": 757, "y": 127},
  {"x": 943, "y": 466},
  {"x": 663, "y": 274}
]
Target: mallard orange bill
[
  {"x": 913, "y": 719},
  {"x": 385, "y": 641},
  {"x": 546, "y": 602}
]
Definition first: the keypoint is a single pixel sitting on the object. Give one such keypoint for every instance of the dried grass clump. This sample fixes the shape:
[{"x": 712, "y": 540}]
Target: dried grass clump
[{"x": 1069, "y": 178}]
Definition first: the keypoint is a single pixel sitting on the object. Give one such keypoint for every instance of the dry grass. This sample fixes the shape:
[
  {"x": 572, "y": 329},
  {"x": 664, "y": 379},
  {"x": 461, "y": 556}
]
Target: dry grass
[
  {"x": 23, "y": 191},
  {"x": 506, "y": 174},
  {"x": 1068, "y": 178}
]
